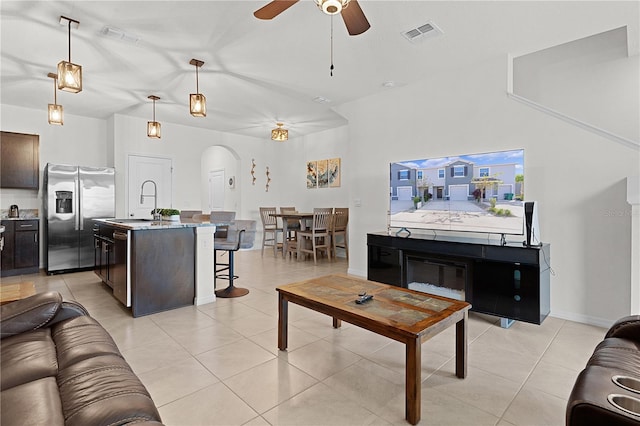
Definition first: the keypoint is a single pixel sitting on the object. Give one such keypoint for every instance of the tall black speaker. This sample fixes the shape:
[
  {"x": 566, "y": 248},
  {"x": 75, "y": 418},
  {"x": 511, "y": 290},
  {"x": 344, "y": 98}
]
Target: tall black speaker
[{"x": 531, "y": 227}]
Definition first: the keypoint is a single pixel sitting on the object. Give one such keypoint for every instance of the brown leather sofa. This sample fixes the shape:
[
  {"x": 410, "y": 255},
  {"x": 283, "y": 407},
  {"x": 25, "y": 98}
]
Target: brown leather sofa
[
  {"x": 607, "y": 391},
  {"x": 58, "y": 366}
]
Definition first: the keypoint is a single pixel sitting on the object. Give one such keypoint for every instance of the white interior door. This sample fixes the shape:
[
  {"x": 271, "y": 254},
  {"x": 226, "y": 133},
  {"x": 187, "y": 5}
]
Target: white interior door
[
  {"x": 140, "y": 169},
  {"x": 216, "y": 190}
]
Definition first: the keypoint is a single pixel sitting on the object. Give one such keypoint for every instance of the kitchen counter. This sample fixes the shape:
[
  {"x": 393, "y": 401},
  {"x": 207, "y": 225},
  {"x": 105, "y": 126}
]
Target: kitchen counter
[
  {"x": 148, "y": 224},
  {"x": 154, "y": 266}
]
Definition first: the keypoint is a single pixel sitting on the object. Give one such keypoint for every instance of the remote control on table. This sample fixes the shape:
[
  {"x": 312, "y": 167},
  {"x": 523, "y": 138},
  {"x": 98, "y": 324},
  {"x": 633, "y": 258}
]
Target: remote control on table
[{"x": 364, "y": 298}]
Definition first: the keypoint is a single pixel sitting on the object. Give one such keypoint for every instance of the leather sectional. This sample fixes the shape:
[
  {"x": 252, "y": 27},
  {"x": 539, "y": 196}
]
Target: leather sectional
[
  {"x": 59, "y": 366},
  {"x": 607, "y": 391}
]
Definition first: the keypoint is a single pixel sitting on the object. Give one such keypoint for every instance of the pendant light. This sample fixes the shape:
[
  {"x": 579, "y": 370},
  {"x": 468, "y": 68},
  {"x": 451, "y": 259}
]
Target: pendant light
[
  {"x": 153, "y": 127},
  {"x": 69, "y": 74},
  {"x": 279, "y": 134},
  {"x": 55, "y": 112},
  {"x": 197, "y": 101}
]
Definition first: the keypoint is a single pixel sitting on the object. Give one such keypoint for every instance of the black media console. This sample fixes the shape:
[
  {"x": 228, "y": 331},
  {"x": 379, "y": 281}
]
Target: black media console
[{"x": 510, "y": 281}]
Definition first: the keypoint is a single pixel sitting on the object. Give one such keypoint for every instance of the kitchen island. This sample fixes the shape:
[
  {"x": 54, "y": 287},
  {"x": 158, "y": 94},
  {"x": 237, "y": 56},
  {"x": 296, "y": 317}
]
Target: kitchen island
[{"x": 154, "y": 266}]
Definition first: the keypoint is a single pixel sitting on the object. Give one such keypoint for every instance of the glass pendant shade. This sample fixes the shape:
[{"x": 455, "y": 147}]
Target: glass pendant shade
[
  {"x": 56, "y": 114},
  {"x": 69, "y": 74},
  {"x": 198, "y": 105},
  {"x": 279, "y": 134},
  {"x": 197, "y": 101},
  {"x": 153, "y": 129},
  {"x": 69, "y": 77}
]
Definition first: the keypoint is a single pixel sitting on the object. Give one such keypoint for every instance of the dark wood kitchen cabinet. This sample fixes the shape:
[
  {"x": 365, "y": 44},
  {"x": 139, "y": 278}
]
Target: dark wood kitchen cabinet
[
  {"x": 21, "y": 254},
  {"x": 19, "y": 160}
]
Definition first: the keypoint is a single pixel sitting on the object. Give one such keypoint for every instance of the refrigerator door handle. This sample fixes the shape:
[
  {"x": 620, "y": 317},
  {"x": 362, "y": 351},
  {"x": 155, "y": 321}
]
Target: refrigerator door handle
[
  {"x": 77, "y": 203},
  {"x": 80, "y": 212}
]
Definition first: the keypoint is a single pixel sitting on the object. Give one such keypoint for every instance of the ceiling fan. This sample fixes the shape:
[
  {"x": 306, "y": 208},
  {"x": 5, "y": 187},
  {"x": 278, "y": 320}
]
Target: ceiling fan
[{"x": 352, "y": 14}]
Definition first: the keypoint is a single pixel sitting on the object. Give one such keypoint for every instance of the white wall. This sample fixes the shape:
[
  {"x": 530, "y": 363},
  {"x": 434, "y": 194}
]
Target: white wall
[{"x": 577, "y": 177}]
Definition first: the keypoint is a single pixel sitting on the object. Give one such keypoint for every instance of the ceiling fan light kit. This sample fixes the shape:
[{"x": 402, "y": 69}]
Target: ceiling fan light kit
[
  {"x": 55, "y": 112},
  {"x": 69, "y": 74},
  {"x": 153, "y": 127},
  {"x": 332, "y": 7},
  {"x": 279, "y": 134},
  {"x": 197, "y": 101}
]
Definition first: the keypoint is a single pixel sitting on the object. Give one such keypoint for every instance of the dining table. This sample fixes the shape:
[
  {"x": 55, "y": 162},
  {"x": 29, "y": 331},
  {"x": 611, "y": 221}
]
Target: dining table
[{"x": 303, "y": 218}]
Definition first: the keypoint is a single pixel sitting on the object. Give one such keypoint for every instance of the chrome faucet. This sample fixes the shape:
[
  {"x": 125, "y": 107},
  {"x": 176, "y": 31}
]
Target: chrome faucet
[{"x": 156, "y": 214}]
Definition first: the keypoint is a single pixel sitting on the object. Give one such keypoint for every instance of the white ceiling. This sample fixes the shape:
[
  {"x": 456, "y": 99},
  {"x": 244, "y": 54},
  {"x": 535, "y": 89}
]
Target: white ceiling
[{"x": 259, "y": 72}]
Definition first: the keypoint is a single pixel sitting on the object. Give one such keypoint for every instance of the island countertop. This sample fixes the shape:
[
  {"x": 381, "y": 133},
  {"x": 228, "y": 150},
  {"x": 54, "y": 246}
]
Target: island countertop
[{"x": 148, "y": 224}]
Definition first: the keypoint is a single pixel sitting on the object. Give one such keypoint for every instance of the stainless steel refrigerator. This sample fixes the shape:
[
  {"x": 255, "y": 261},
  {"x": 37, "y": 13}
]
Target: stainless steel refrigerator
[{"x": 73, "y": 197}]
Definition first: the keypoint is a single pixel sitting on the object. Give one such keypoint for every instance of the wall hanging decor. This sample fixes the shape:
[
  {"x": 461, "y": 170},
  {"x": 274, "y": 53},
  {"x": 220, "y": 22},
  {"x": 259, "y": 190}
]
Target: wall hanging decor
[
  {"x": 334, "y": 172},
  {"x": 323, "y": 176},
  {"x": 268, "y": 180},
  {"x": 323, "y": 173},
  {"x": 253, "y": 171},
  {"x": 312, "y": 174}
]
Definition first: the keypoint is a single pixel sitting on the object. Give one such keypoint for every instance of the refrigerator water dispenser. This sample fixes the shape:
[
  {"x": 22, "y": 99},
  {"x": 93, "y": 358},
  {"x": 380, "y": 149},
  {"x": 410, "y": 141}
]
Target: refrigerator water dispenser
[{"x": 63, "y": 202}]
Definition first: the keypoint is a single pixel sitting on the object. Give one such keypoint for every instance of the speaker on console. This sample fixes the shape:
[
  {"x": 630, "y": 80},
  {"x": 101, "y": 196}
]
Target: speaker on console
[{"x": 531, "y": 226}]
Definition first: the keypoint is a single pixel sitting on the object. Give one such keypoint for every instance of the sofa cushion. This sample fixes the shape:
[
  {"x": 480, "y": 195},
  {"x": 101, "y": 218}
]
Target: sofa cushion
[
  {"x": 30, "y": 313},
  {"x": 33, "y": 403},
  {"x": 81, "y": 338},
  {"x": 621, "y": 355},
  {"x": 26, "y": 357},
  {"x": 101, "y": 390}
]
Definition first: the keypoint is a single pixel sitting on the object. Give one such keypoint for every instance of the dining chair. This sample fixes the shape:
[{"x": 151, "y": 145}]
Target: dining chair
[
  {"x": 317, "y": 238},
  {"x": 241, "y": 234},
  {"x": 339, "y": 229},
  {"x": 270, "y": 230},
  {"x": 290, "y": 240}
]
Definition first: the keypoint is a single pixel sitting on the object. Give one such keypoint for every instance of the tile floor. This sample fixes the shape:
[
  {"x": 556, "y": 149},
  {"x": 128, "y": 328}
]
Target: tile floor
[{"x": 218, "y": 364}]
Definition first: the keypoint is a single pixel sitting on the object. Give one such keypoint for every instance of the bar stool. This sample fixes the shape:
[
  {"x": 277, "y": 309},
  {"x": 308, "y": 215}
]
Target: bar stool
[
  {"x": 290, "y": 240},
  {"x": 318, "y": 234},
  {"x": 240, "y": 235}
]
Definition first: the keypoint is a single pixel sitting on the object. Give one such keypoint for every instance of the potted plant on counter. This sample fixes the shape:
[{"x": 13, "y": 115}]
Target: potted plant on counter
[{"x": 169, "y": 214}]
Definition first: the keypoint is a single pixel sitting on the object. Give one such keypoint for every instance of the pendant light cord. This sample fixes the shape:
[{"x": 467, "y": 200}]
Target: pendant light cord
[
  {"x": 331, "y": 68},
  {"x": 69, "y": 41},
  {"x": 197, "y": 88}
]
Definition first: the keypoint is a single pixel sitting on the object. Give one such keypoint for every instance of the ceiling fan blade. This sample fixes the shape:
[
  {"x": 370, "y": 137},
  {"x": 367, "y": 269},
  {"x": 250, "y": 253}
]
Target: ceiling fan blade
[
  {"x": 273, "y": 9},
  {"x": 354, "y": 18}
]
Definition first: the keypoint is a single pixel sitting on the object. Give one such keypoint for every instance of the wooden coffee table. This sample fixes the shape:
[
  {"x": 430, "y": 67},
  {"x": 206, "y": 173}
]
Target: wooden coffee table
[
  {"x": 17, "y": 291},
  {"x": 408, "y": 316}
]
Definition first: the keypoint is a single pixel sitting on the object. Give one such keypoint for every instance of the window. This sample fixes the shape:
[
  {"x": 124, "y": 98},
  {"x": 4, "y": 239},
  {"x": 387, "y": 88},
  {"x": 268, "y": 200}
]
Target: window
[
  {"x": 420, "y": 174},
  {"x": 484, "y": 172},
  {"x": 403, "y": 174},
  {"x": 458, "y": 171},
  {"x": 440, "y": 173}
]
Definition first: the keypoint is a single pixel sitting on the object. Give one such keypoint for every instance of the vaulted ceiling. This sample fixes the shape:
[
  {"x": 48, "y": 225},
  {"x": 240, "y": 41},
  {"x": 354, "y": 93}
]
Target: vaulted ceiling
[{"x": 258, "y": 72}]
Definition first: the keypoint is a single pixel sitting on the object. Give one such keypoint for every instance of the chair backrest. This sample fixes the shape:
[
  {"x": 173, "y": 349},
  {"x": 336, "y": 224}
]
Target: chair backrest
[
  {"x": 291, "y": 223},
  {"x": 322, "y": 218},
  {"x": 188, "y": 214},
  {"x": 268, "y": 221},
  {"x": 222, "y": 219},
  {"x": 248, "y": 236},
  {"x": 340, "y": 219},
  {"x": 199, "y": 217}
]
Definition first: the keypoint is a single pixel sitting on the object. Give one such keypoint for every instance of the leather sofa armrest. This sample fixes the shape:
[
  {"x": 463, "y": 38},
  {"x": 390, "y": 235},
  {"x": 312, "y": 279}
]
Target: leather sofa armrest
[
  {"x": 626, "y": 328},
  {"x": 68, "y": 309},
  {"x": 28, "y": 314}
]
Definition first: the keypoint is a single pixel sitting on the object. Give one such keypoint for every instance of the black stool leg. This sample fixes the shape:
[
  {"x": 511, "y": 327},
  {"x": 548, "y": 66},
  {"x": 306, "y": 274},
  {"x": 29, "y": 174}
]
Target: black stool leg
[{"x": 231, "y": 291}]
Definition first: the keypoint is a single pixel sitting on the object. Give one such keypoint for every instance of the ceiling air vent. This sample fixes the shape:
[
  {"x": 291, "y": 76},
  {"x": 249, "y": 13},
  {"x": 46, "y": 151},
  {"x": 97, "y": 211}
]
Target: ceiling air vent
[{"x": 422, "y": 32}]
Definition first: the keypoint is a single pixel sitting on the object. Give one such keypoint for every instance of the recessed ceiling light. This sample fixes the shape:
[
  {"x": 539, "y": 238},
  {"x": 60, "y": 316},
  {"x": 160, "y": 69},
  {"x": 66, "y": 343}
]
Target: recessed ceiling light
[{"x": 389, "y": 84}]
